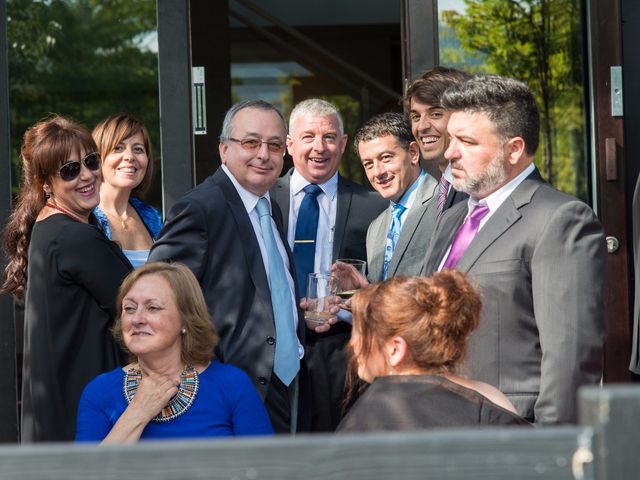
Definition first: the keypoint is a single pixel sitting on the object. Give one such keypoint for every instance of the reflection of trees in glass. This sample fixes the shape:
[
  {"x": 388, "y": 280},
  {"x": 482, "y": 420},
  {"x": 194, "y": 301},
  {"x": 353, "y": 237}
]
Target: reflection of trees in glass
[
  {"x": 85, "y": 59},
  {"x": 538, "y": 42}
]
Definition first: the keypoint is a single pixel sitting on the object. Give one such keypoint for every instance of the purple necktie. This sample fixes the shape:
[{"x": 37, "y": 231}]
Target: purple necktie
[
  {"x": 465, "y": 235},
  {"x": 443, "y": 190}
]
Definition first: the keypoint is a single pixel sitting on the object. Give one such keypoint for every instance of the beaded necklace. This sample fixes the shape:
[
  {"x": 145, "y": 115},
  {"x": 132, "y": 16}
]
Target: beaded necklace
[{"x": 180, "y": 403}]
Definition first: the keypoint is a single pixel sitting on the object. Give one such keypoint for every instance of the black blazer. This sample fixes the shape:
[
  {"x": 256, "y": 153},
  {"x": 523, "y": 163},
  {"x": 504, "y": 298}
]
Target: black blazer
[{"x": 210, "y": 231}]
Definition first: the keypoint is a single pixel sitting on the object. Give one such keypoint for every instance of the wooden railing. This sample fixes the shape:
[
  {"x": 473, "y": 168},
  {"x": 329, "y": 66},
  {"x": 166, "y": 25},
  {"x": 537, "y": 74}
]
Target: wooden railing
[{"x": 602, "y": 447}]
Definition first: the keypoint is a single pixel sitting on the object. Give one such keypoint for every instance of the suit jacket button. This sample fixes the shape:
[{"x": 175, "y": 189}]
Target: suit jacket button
[
  {"x": 271, "y": 340},
  {"x": 262, "y": 380}
]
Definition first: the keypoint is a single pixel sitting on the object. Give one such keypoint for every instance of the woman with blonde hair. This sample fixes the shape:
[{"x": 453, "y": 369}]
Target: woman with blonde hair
[
  {"x": 68, "y": 273},
  {"x": 127, "y": 170},
  {"x": 408, "y": 341},
  {"x": 172, "y": 387}
]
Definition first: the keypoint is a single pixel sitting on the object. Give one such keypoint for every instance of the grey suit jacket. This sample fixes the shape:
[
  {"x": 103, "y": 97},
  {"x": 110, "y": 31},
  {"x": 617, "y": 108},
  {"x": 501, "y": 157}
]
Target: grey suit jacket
[
  {"x": 356, "y": 207},
  {"x": 210, "y": 231},
  {"x": 413, "y": 242},
  {"x": 634, "y": 365},
  {"x": 539, "y": 265}
]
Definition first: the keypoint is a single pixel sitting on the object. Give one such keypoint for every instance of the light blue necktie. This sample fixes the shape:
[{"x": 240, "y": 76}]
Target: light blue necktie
[
  {"x": 392, "y": 236},
  {"x": 286, "y": 363}
]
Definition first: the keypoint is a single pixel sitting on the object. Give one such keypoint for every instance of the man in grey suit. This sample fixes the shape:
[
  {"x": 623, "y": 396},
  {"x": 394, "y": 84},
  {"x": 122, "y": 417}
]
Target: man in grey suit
[
  {"x": 223, "y": 232},
  {"x": 399, "y": 237},
  {"x": 423, "y": 102},
  {"x": 536, "y": 254},
  {"x": 316, "y": 142}
]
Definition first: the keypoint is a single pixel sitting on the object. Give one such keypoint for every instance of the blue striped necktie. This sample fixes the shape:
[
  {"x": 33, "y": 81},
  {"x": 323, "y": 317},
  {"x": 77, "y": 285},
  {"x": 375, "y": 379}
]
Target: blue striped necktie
[
  {"x": 304, "y": 246},
  {"x": 287, "y": 359},
  {"x": 392, "y": 237}
]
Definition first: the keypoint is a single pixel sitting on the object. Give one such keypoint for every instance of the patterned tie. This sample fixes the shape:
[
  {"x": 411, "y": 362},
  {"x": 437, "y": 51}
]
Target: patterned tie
[
  {"x": 304, "y": 246},
  {"x": 392, "y": 236},
  {"x": 465, "y": 235},
  {"x": 287, "y": 360},
  {"x": 443, "y": 190}
]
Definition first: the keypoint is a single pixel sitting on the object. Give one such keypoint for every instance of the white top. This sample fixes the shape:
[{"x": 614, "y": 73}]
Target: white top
[
  {"x": 327, "y": 201},
  {"x": 136, "y": 258},
  {"x": 250, "y": 201}
]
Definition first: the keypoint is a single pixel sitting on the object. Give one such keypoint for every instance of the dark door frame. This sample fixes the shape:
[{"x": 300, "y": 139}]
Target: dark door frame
[
  {"x": 8, "y": 377},
  {"x": 605, "y": 32}
]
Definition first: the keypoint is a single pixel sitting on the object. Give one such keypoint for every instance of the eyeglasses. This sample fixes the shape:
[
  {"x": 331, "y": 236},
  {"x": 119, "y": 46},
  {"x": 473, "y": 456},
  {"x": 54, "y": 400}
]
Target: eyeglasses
[
  {"x": 70, "y": 170},
  {"x": 253, "y": 144}
]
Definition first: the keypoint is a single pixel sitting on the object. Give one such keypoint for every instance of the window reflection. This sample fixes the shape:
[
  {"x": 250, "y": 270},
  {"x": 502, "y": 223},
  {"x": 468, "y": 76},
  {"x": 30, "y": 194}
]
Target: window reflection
[{"x": 539, "y": 42}]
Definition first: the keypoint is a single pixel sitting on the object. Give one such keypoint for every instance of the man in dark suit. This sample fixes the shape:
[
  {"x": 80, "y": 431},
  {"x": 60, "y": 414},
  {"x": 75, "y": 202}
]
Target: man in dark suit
[
  {"x": 398, "y": 238},
  {"x": 223, "y": 232},
  {"x": 422, "y": 102},
  {"x": 536, "y": 254},
  {"x": 316, "y": 142}
]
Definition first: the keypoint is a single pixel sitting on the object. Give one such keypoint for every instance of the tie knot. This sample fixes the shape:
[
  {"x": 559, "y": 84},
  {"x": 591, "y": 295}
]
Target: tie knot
[
  {"x": 397, "y": 210},
  {"x": 444, "y": 182},
  {"x": 312, "y": 189},
  {"x": 479, "y": 212},
  {"x": 263, "y": 207}
]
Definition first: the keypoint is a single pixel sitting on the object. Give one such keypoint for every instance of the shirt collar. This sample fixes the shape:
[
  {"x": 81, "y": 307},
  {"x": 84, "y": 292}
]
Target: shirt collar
[
  {"x": 447, "y": 173},
  {"x": 498, "y": 197},
  {"x": 329, "y": 188},
  {"x": 250, "y": 200},
  {"x": 409, "y": 196}
]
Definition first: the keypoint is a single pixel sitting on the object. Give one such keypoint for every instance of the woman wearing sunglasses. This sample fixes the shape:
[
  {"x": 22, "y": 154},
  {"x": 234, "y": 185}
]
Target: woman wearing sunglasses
[
  {"x": 127, "y": 169},
  {"x": 68, "y": 273}
]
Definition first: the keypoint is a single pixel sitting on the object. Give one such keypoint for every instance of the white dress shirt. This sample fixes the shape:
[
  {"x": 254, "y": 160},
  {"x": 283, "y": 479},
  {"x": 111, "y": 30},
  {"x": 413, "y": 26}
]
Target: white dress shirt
[
  {"x": 250, "y": 201},
  {"x": 493, "y": 201},
  {"x": 327, "y": 201}
]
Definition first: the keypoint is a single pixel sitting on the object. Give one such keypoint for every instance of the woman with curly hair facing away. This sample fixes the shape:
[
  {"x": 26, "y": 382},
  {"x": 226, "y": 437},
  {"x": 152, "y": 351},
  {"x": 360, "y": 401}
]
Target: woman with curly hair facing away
[
  {"x": 68, "y": 273},
  {"x": 408, "y": 341}
]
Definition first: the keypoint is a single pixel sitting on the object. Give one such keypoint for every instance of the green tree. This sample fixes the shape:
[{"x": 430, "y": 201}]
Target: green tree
[
  {"x": 85, "y": 59},
  {"x": 538, "y": 42}
]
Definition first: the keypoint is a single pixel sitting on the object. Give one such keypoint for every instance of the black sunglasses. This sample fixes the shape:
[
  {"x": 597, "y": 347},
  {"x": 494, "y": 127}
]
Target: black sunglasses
[{"x": 70, "y": 170}]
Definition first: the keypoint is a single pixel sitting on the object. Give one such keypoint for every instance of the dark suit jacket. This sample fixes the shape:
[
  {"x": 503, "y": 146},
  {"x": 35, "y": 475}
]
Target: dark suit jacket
[
  {"x": 454, "y": 196},
  {"x": 413, "y": 242},
  {"x": 210, "y": 231},
  {"x": 325, "y": 354},
  {"x": 539, "y": 265}
]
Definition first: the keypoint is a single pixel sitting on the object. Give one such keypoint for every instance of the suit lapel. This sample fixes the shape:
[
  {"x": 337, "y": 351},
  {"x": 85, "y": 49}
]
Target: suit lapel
[
  {"x": 342, "y": 213},
  {"x": 446, "y": 229},
  {"x": 281, "y": 194},
  {"x": 421, "y": 207},
  {"x": 248, "y": 241},
  {"x": 378, "y": 234},
  {"x": 508, "y": 214}
]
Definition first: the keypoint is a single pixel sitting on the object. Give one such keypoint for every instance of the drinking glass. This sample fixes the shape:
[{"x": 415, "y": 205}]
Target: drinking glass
[
  {"x": 320, "y": 287},
  {"x": 347, "y": 283}
]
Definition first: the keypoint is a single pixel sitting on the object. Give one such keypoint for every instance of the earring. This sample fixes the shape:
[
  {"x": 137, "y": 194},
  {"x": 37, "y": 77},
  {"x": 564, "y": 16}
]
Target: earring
[{"x": 184, "y": 330}]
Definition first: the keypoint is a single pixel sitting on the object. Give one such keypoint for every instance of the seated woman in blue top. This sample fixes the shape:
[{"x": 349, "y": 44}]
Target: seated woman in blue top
[
  {"x": 173, "y": 388},
  {"x": 127, "y": 169}
]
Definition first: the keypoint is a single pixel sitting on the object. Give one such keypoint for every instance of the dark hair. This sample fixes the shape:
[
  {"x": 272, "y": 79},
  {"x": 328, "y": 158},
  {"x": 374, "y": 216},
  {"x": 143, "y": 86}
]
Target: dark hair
[
  {"x": 227, "y": 123},
  {"x": 429, "y": 87},
  {"x": 113, "y": 130},
  {"x": 200, "y": 338},
  {"x": 46, "y": 146},
  {"x": 508, "y": 103},
  {"x": 434, "y": 315},
  {"x": 382, "y": 125}
]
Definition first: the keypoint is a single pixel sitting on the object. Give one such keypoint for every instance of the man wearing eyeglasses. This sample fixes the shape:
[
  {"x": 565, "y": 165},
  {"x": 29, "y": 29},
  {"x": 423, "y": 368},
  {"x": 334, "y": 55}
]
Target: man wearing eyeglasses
[
  {"x": 230, "y": 234},
  {"x": 317, "y": 202}
]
